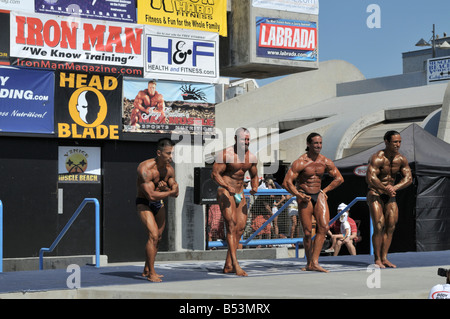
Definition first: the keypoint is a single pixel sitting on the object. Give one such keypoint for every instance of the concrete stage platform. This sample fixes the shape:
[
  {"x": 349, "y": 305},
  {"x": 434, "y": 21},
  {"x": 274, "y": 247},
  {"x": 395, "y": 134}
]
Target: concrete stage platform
[{"x": 349, "y": 277}]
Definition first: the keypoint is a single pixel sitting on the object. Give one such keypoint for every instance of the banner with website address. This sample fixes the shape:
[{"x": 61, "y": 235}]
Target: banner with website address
[
  {"x": 182, "y": 55},
  {"x": 64, "y": 43},
  {"x": 17, "y": 5},
  {"x": 208, "y": 15},
  {"x": 286, "y": 39},
  {"x": 300, "y": 6},
  {"x": 26, "y": 100},
  {"x": 156, "y": 106}
]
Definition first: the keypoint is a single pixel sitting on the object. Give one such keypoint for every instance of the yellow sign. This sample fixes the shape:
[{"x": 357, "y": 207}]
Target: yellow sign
[
  {"x": 87, "y": 105},
  {"x": 204, "y": 15},
  {"x": 79, "y": 164}
]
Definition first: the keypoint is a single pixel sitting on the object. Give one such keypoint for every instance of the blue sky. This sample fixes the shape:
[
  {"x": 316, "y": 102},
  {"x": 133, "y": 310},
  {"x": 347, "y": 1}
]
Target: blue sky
[{"x": 376, "y": 52}]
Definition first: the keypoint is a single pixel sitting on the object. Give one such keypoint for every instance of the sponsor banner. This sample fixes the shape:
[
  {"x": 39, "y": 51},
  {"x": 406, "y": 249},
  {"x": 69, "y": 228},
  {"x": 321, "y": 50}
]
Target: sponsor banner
[
  {"x": 208, "y": 16},
  {"x": 183, "y": 55},
  {"x": 168, "y": 107},
  {"x": 438, "y": 69},
  {"x": 26, "y": 100},
  {"x": 17, "y": 5},
  {"x": 56, "y": 42},
  {"x": 89, "y": 105},
  {"x": 79, "y": 164},
  {"x": 115, "y": 10},
  {"x": 360, "y": 171},
  {"x": 4, "y": 38},
  {"x": 286, "y": 39},
  {"x": 300, "y": 6}
]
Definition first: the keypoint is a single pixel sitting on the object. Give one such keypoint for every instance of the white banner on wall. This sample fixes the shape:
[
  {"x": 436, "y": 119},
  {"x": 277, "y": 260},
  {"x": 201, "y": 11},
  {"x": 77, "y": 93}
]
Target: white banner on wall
[
  {"x": 57, "y": 42},
  {"x": 301, "y": 6},
  {"x": 17, "y": 5},
  {"x": 438, "y": 69},
  {"x": 181, "y": 54}
]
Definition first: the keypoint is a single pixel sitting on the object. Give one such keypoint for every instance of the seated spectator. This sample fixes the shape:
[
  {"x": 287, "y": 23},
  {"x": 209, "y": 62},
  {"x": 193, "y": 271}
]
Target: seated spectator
[
  {"x": 343, "y": 231},
  {"x": 257, "y": 222},
  {"x": 215, "y": 228}
]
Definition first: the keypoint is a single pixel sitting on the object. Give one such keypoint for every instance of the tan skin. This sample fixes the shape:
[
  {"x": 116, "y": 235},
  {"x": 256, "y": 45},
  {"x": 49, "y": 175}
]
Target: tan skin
[
  {"x": 143, "y": 102},
  {"x": 304, "y": 176},
  {"x": 383, "y": 166},
  {"x": 228, "y": 172},
  {"x": 155, "y": 182}
]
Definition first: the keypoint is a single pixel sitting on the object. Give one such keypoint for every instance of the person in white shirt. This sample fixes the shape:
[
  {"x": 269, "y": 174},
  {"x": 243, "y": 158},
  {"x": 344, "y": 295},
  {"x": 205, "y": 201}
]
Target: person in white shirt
[
  {"x": 441, "y": 291},
  {"x": 345, "y": 237}
]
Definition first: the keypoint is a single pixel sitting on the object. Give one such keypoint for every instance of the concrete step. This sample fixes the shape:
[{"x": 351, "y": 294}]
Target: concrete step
[
  {"x": 62, "y": 262},
  {"x": 50, "y": 262}
]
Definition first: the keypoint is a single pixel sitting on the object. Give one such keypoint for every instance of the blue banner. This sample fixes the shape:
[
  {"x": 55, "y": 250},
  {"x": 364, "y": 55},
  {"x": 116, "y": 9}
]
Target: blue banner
[{"x": 26, "y": 100}]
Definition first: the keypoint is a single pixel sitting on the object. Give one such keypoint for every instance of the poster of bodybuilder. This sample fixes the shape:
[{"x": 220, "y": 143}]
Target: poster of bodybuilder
[{"x": 157, "y": 106}]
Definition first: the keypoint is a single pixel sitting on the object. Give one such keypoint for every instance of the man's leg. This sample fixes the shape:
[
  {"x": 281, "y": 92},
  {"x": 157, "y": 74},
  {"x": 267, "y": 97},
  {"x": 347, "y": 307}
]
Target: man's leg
[
  {"x": 305, "y": 212},
  {"x": 155, "y": 227},
  {"x": 350, "y": 247},
  {"x": 241, "y": 221},
  {"x": 376, "y": 213},
  {"x": 391, "y": 218},
  {"x": 322, "y": 215},
  {"x": 228, "y": 209},
  {"x": 337, "y": 243}
]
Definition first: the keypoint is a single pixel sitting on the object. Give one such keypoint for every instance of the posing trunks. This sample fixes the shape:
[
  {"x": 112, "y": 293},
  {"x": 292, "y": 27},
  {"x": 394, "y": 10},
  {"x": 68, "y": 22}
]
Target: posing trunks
[
  {"x": 313, "y": 196},
  {"x": 383, "y": 197},
  {"x": 237, "y": 197},
  {"x": 154, "y": 206}
]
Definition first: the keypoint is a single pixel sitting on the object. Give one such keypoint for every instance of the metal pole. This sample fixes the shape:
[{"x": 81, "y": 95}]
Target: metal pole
[
  {"x": 1, "y": 236},
  {"x": 97, "y": 233}
]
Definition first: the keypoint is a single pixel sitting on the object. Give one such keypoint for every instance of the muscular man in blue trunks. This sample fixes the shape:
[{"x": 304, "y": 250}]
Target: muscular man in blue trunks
[
  {"x": 383, "y": 167},
  {"x": 228, "y": 171},
  {"x": 155, "y": 182},
  {"x": 304, "y": 180}
]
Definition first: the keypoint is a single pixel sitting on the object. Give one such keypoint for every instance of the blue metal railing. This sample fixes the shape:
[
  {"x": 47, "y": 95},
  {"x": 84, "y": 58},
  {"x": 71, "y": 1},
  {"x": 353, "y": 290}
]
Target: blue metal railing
[
  {"x": 255, "y": 242},
  {"x": 1, "y": 236},
  {"x": 69, "y": 223}
]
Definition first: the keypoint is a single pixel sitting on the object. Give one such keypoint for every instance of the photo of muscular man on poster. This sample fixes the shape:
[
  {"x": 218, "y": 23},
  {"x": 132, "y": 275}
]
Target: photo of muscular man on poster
[{"x": 148, "y": 102}]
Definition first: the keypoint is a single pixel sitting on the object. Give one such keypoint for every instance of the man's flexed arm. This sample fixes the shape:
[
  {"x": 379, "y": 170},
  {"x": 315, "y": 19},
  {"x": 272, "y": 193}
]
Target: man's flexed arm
[
  {"x": 146, "y": 183},
  {"x": 335, "y": 174},
  {"x": 373, "y": 173},
  {"x": 290, "y": 178},
  {"x": 218, "y": 169},
  {"x": 407, "y": 175}
]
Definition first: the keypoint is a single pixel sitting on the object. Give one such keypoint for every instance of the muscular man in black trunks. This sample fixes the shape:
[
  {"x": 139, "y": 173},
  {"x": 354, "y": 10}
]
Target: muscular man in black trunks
[
  {"x": 303, "y": 180},
  {"x": 383, "y": 166},
  {"x": 155, "y": 182}
]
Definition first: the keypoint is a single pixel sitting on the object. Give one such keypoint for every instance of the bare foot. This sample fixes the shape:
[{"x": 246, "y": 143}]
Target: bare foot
[
  {"x": 379, "y": 264},
  {"x": 147, "y": 274},
  {"x": 232, "y": 270},
  {"x": 241, "y": 272},
  {"x": 228, "y": 270},
  {"x": 154, "y": 278},
  {"x": 315, "y": 267},
  {"x": 387, "y": 263}
]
